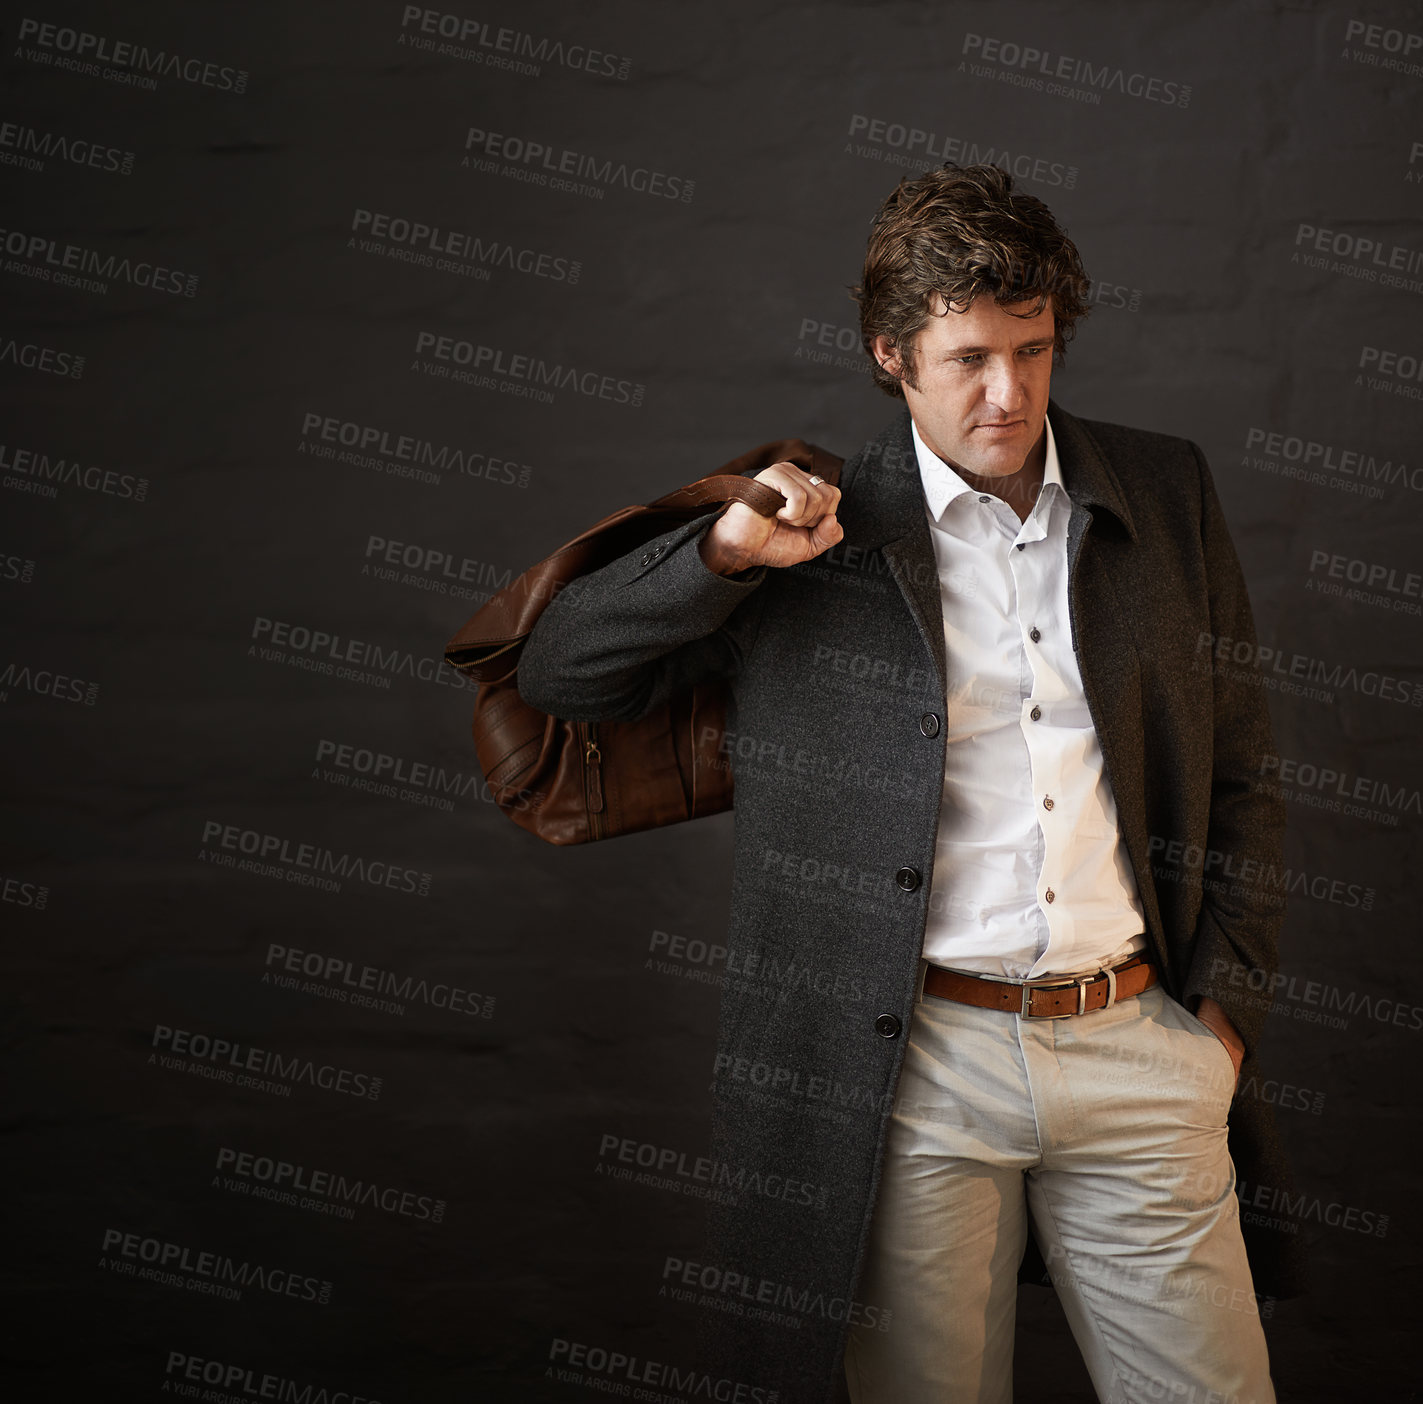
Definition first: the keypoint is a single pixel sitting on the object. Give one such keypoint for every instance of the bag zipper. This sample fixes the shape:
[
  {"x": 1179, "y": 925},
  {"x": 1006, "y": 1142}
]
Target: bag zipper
[{"x": 592, "y": 779}]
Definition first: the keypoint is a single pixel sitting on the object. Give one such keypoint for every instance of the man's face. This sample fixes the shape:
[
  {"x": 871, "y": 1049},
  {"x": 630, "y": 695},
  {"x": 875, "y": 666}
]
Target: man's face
[{"x": 980, "y": 384}]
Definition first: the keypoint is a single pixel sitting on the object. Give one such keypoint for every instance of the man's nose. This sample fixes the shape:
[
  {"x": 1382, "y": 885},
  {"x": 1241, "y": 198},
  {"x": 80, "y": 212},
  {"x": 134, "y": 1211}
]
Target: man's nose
[{"x": 1005, "y": 388}]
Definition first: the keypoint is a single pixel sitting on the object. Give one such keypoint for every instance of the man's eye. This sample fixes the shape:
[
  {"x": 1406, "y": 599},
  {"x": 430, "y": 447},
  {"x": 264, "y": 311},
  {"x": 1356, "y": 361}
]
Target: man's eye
[
  {"x": 972, "y": 360},
  {"x": 1034, "y": 350}
]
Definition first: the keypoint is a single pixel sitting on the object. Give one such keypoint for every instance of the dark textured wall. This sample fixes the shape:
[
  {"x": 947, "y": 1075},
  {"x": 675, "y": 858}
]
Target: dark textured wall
[{"x": 250, "y": 490}]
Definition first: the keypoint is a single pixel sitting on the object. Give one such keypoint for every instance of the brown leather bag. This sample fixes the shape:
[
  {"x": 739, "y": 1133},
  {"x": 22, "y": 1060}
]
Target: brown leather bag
[{"x": 574, "y": 782}]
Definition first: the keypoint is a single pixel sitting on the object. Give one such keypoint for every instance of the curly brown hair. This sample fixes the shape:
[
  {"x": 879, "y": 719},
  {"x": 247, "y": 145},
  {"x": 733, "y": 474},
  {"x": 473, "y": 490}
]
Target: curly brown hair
[{"x": 954, "y": 233}]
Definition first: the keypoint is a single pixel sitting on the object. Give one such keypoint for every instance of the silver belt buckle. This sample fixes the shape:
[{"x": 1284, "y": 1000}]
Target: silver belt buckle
[
  {"x": 1028, "y": 989},
  {"x": 1081, "y": 981}
]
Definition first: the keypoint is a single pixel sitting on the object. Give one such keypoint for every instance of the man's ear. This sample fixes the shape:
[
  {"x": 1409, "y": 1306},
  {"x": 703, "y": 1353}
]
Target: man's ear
[{"x": 887, "y": 354}]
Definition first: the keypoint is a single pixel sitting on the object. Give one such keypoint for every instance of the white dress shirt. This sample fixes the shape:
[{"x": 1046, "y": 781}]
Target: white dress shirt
[{"x": 1030, "y": 874}]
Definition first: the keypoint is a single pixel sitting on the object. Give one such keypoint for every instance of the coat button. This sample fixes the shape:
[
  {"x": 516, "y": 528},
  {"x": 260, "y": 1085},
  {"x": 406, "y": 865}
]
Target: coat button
[
  {"x": 647, "y": 558},
  {"x": 929, "y": 724},
  {"x": 887, "y": 1026},
  {"x": 1035, "y": 633},
  {"x": 907, "y": 878}
]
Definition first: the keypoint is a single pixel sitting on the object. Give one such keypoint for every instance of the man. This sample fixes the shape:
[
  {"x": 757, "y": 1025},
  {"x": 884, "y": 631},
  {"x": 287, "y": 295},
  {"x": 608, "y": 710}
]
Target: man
[{"x": 972, "y": 703}]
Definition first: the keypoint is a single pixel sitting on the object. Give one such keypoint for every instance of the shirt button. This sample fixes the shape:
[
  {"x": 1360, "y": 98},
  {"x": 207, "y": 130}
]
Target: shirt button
[
  {"x": 1036, "y": 714},
  {"x": 1049, "y": 895},
  {"x": 1047, "y": 801},
  {"x": 1035, "y": 633},
  {"x": 907, "y": 878},
  {"x": 929, "y": 724},
  {"x": 985, "y": 499},
  {"x": 887, "y": 1026},
  {"x": 1022, "y": 545}
]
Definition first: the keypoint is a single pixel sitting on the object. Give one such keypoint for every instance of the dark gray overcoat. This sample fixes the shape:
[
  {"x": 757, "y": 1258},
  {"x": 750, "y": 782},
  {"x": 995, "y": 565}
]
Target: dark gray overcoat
[{"x": 839, "y": 680}]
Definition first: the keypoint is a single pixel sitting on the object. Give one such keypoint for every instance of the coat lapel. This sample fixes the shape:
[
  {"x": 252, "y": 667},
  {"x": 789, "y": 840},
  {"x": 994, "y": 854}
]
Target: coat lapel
[
  {"x": 1104, "y": 641},
  {"x": 1089, "y": 478},
  {"x": 883, "y": 509}
]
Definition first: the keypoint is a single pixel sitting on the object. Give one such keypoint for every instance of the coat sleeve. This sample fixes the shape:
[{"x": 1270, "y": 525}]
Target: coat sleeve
[
  {"x": 622, "y": 640},
  {"x": 1236, "y": 940}
]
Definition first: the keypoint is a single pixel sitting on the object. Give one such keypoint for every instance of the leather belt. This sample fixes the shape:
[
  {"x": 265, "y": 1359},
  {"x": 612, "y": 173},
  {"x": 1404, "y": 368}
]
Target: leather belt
[{"x": 1044, "y": 999}]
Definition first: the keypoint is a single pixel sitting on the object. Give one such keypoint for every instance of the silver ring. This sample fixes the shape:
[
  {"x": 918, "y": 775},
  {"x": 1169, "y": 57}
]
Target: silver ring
[{"x": 814, "y": 481}]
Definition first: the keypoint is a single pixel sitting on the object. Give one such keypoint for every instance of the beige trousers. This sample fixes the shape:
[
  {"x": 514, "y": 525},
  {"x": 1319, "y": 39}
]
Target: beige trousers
[{"x": 1110, "y": 1129}]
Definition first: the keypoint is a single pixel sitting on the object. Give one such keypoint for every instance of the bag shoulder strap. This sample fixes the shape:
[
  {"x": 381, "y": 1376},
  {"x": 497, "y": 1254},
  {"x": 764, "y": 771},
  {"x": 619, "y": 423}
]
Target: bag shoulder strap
[{"x": 485, "y": 647}]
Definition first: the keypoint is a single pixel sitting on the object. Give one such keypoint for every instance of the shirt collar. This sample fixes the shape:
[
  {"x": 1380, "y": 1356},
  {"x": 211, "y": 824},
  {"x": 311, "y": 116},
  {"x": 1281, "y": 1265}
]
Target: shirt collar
[{"x": 942, "y": 484}]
